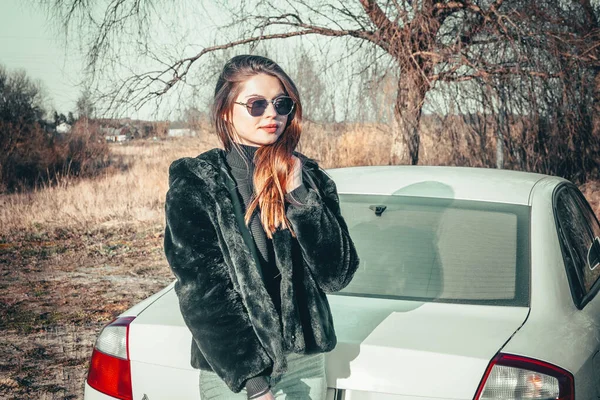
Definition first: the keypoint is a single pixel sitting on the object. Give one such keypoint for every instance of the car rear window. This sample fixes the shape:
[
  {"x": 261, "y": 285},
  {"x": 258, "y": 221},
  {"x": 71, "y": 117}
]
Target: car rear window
[{"x": 439, "y": 249}]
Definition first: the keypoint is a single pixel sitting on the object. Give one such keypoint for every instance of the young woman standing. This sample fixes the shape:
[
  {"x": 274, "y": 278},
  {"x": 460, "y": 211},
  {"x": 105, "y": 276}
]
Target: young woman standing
[{"x": 255, "y": 238}]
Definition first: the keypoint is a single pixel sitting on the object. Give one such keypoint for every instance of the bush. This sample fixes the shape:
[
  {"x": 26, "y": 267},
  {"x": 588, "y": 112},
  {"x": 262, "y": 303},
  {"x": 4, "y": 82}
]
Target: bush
[
  {"x": 40, "y": 158},
  {"x": 31, "y": 152}
]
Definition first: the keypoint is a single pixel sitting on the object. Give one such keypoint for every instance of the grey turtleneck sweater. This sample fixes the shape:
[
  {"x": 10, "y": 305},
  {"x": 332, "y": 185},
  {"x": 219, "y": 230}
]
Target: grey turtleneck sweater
[{"x": 242, "y": 169}]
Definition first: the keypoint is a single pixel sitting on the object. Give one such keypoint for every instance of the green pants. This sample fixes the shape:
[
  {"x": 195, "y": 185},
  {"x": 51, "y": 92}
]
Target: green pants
[{"x": 304, "y": 380}]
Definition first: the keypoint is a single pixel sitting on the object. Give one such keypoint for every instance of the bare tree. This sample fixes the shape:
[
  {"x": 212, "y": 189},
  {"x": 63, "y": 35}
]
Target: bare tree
[
  {"x": 558, "y": 134},
  {"x": 429, "y": 41},
  {"x": 311, "y": 87},
  {"x": 85, "y": 104}
]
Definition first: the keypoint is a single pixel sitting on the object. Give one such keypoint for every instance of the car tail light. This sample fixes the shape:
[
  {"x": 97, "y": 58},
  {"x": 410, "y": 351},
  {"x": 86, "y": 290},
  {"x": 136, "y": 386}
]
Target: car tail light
[
  {"x": 109, "y": 371},
  {"x": 515, "y": 377}
]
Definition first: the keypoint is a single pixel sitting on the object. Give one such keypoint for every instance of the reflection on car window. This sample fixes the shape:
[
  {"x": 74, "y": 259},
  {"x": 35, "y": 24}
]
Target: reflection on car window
[
  {"x": 593, "y": 231},
  {"x": 439, "y": 249},
  {"x": 580, "y": 228}
]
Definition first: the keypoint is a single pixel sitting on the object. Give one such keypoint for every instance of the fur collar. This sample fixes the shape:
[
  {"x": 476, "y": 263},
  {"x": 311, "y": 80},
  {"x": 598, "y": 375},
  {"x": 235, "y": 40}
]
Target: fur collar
[{"x": 215, "y": 159}]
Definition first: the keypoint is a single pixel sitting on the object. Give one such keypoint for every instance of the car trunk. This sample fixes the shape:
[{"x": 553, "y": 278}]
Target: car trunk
[
  {"x": 387, "y": 349},
  {"x": 415, "y": 349}
]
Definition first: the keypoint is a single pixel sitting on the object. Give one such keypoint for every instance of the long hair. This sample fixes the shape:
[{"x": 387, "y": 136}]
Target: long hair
[{"x": 273, "y": 163}]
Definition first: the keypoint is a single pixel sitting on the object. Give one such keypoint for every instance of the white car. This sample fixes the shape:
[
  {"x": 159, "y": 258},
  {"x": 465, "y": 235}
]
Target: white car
[{"x": 473, "y": 284}]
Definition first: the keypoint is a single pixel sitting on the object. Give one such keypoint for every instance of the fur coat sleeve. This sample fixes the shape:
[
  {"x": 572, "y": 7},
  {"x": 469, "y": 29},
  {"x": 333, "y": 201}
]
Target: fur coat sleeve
[
  {"x": 221, "y": 329},
  {"x": 327, "y": 249}
]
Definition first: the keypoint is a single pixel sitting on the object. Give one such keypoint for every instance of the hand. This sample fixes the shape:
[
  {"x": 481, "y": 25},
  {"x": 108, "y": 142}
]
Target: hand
[
  {"x": 266, "y": 396},
  {"x": 296, "y": 176}
]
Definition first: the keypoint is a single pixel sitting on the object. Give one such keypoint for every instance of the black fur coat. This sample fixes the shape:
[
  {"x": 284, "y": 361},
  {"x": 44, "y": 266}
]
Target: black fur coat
[{"x": 235, "y": 327}]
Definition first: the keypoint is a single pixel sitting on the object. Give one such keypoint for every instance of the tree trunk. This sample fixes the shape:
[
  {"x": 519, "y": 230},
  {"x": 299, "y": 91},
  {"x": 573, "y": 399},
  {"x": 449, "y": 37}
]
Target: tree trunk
[
  {"x": 500, "y": 139},
  {"x": 596, "y": 108},
  {"x": 407, "y": 117}
]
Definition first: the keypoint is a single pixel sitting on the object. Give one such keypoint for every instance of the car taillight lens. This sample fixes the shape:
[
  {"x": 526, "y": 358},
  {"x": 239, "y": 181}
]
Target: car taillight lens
[
  {"x": 109, "y": 371},
  {"x": 514, "y": 377}
]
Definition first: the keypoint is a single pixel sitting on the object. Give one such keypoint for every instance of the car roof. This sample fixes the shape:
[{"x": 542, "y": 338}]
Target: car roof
[{"x": 464, "y": 183}]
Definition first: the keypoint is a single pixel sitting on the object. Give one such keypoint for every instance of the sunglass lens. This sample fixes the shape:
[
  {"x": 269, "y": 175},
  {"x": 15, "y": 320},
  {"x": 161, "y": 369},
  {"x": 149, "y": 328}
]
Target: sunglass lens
[
  {"x": 258, "y": 107},
  {"x": 284, "y": 105}
]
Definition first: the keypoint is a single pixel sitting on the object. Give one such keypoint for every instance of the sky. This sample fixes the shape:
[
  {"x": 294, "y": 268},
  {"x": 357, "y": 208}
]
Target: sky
[
  {"x": 29, "y": 41},
  {"x": 32, "y": 41}
]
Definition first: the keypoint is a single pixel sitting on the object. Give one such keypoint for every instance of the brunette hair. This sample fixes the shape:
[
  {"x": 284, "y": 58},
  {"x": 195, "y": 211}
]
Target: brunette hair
[{"x": 274, "y": 165}]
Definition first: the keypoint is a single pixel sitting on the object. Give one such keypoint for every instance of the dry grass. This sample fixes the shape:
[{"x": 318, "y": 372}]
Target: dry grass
[
  {"x": 134, "y": 188},
  {"x": 131, "y": 192},
  {"x": 342, "y": 145},
  {"x": 74, "y": 256}
]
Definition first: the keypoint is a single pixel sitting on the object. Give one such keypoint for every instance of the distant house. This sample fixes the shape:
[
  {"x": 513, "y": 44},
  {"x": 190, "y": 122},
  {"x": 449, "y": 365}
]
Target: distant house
[
  {"x": 110, "y": 131},
  {"x": 181, "y": 132},
  {"x": 113, "y": 134},
  {"x": 63, "y": 128},
  {"x": 133, "y": 129},
  {"x": 117, "y": 138}
]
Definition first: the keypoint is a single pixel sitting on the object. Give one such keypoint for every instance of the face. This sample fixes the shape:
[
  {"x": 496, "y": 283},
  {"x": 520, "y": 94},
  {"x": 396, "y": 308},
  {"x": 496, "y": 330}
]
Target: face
[{"x": 265, "y": 129}]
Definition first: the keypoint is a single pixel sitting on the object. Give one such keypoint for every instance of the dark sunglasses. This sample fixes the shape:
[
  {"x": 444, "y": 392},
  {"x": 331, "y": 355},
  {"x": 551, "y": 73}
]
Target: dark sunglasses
[{"x": 283, "y": 106}]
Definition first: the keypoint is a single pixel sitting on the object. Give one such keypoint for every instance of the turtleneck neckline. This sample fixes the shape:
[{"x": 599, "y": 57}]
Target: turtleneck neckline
[{"x": 242, "y": 158}]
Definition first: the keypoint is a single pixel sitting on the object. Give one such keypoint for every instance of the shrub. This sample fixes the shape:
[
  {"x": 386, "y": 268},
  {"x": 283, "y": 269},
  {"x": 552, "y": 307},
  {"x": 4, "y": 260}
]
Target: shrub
[{"x": 31, "y": 152}]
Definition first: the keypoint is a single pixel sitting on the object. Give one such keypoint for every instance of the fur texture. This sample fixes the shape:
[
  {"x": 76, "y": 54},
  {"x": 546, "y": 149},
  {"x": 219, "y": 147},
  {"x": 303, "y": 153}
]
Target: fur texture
[{"x": 236, "y": 330}]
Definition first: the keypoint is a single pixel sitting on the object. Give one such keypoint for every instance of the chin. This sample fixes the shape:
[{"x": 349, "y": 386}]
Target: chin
[
  {"x": 260, "y": 138},
  {"x": 267, "y": 140}
]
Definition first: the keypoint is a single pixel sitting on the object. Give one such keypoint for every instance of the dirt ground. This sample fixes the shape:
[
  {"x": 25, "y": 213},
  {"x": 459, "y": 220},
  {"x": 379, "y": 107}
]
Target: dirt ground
[{"x": 57, "y": 290}]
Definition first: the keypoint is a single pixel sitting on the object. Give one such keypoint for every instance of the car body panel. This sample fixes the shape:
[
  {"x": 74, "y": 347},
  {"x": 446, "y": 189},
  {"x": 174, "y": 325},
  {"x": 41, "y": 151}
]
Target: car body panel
[
  {"x": 89, "y": 393},
  {"x": 406, "y": 350},
  {"x": 164, "y": 382},
  {"x": 500, "y": 186},
  {"x": 554, "y": 318},
  {"x": 142, "y": 305},
  {"x": 378, "y": 340},
  {"x": 169, "y": 334}
]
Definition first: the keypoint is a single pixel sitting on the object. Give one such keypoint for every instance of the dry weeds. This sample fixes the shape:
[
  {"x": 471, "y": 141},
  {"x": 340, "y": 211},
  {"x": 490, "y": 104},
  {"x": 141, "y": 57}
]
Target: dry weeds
[{"x": 74, "y": 256}]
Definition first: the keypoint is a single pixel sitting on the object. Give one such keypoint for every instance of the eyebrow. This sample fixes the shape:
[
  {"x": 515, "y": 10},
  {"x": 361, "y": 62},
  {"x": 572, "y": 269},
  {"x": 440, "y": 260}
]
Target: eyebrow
[{"x": 258, "y": 95}]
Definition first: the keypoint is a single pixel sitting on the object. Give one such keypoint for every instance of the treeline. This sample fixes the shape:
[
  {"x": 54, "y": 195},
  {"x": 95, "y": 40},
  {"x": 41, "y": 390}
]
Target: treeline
[{"x": 32, "y": 151}]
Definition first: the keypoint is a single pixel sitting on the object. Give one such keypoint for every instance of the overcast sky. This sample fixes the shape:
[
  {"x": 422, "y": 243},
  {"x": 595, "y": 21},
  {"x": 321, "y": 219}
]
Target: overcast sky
[{"x": 27, "y": 42}]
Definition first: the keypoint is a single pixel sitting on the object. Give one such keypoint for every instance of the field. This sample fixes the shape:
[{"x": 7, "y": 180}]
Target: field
[{"x": 75, "y": 255}]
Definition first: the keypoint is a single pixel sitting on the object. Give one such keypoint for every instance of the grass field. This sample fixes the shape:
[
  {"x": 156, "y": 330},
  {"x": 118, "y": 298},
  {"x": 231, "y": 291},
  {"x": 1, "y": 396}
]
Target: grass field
[{"x": 75, "y": 255}]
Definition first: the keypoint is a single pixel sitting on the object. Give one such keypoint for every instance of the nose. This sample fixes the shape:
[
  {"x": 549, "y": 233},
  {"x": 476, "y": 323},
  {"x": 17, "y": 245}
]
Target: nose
[{"x": 270, "y": 110}]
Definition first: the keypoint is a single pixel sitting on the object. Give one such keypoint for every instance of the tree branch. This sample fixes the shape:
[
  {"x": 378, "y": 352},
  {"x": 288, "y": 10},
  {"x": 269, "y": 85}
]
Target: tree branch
[
  {"x": 378, "y": 17},
  {"x": 486, "y": 74},
  {"x": 134, "y": 87}
]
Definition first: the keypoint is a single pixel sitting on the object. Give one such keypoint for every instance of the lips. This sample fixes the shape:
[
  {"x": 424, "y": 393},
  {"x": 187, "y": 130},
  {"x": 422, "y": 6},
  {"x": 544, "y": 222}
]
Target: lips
[{"x": 271, "y": 128}]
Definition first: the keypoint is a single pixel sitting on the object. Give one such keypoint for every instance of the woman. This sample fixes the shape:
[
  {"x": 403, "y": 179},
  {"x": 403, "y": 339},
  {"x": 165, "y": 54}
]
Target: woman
[{"x": 255, "y": 238}]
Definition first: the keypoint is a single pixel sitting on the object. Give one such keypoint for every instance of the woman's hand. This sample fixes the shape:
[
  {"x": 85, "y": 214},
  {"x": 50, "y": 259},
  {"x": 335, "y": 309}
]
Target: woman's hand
[
  {"x": 296, "y": 176},
  {"x": 266, "y": 396}
]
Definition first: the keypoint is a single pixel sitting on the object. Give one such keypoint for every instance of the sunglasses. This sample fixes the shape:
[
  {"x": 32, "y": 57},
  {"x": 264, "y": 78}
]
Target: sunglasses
[{"x": 283, "y": 106}]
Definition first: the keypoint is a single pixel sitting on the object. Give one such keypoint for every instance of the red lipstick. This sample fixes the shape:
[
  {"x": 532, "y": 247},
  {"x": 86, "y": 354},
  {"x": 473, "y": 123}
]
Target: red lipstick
[{"x": 271, "y": 128}]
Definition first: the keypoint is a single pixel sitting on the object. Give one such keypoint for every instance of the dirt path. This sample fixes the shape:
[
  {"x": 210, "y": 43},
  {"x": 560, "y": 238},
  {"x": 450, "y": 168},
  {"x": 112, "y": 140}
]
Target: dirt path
[{"x": 57, "y": 290}]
